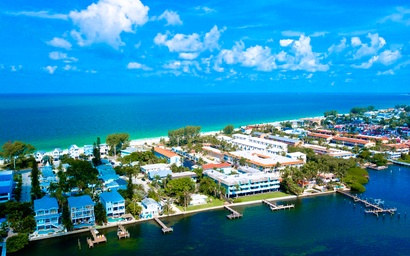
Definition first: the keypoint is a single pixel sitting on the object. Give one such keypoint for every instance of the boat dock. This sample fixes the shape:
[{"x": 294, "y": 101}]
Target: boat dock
[
  {"x": 165, "y": 229},
  {"x": 376, "y": 208},
  {"x": 275, "y": 207},
  {"x": 234, "y": 214},
  {"x": 96, "y": 238},
  {"x": 122, "y": 232}
]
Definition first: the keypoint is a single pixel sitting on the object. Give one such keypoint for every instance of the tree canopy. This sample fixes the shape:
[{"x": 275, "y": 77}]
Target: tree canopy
[
  {"x": 117, "y": 141},
  {"x": 183, "y": 136},
  {"x": 16, "y": 149},
  {"x": 228, "y": 129}
]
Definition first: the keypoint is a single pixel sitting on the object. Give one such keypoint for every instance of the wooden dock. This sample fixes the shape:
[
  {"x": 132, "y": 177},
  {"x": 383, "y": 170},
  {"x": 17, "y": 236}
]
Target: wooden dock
[
  {"x": 275, "y": 207},
  {"x": 122, "y": 232},
  {"x": 234, "y": 214},
  {"x": 165, "y": 229},
  {"x": 376, "y": 208},
  {"x": 96, "y": 239}
]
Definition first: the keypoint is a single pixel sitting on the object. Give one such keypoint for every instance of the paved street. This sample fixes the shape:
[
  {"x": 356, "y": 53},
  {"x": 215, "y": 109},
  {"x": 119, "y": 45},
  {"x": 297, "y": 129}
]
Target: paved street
[{"x": 26, "y": 189}]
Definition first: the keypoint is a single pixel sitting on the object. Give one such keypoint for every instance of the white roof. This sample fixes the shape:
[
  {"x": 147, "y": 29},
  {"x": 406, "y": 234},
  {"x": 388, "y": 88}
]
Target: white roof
[{"x": 241, "y": 178}]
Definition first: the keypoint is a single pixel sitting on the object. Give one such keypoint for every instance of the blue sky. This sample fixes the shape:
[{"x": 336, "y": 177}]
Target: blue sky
[{"x": 204, "y": 46}]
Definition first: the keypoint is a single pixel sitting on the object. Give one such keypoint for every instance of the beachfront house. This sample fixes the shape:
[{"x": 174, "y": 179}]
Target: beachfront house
[
  {"x": 6, "y": 186},
  {"x": 81, "y": 211},
  {"x": 198, "y": 199},
  {"x": 74, "y": 151},
  {"x": 171, "y": 157},
  {"x": 39, "y": 155},
  {"x": 88, "y": 150},
  {"x": 104, "y": 149},
  {"x": 46, "y": 215},
  {"x": 150, "y": 208},
  {"x": 57, "y": 153},
  {"x": 114, "y": 203}
]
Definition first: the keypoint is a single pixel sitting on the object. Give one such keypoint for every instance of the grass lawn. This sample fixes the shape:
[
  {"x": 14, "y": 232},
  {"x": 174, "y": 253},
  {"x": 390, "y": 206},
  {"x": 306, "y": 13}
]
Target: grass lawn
[
  {"x": 260, "y": 197},
  {"x": 215, "y": 202}
]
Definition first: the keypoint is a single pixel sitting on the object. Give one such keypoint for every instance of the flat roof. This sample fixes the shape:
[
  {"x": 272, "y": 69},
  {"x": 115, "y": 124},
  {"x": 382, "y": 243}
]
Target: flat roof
[
  {"x": 241, "y": 178},
  {"x": 283, "y": 139},
  {"x": 263, "y": 159}
]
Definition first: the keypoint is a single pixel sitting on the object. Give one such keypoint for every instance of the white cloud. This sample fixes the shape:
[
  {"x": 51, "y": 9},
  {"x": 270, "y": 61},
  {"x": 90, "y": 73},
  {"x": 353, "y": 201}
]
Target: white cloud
[
  {"x": 185, "y": 66},
  {"x": 13, "y": 69},
  {"x": 318, "y": 33},
  {"x": 190, "y": 43},
  {"x": 188, "y": 55},
  {"x": 42, "y": 14},
  {"x": 309, "y": 76},
  {"x": 104, "y": 21},
  {"x": 136, "y": 65},
  {"x": 50, "y": 69},
  {"x": 338, "y": 48},
  {"x": 59, "y": 43},
  {"x": 368, "y": 64},
  {"x": 285, "y": 42},
  {"x": 290, "y": 33},
  {"x": 355, "y": 41},
  {"x": 401, "y": 16},
  {"x": 387, "y": 72},
  {"x": 376, "y": 43},
  {"x": 171, "y": 17},
  {"x": 389, "y": 57},
  {"x": 57, "y": 55},
  {"x": 205, "y": 9},
  {"x": 69, "y": 67}
]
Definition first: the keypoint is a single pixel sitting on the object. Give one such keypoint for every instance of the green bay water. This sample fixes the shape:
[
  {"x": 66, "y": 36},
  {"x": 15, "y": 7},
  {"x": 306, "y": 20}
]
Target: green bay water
[
  {"x": 48, "y": 121},
  {"x": 321, "y": 225}
]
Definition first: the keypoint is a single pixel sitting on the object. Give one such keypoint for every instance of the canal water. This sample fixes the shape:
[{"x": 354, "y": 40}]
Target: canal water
[{"x": 319, "y": 225}]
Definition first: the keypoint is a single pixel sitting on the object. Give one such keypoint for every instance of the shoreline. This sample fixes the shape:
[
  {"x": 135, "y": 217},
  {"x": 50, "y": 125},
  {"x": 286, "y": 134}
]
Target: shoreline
[{"x": 185, "y": 213}]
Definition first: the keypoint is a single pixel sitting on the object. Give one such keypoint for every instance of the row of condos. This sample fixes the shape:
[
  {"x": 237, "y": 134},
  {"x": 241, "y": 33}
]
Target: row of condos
[
  {"x": 246, "y": 142},
  {"x": 246, "y": 183}
]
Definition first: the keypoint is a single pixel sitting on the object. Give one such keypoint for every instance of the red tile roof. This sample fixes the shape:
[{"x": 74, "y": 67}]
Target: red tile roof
[
  {"x": 217, "y": 166},
  {"x": 165, "y": 152}
]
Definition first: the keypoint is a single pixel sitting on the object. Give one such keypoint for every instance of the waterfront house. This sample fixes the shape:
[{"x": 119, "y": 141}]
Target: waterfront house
[
  {"x": 39, "y": 155},
  {"x": 104, "y": 149},
  {"x": 114, "y": 203},
  {"x": 246, "y": 183},
  {"x": 171, "y": 157},
  {"x": 81, "y": 211},
  {"x": 57, "y": 153},
  {"x": 74, "y": 151},
  {"x": 46, "y": 214},
  {"x": 88, "y": 150},
  {"x": 47, "y": 176},
  {"x": 150, "y": 208},
  {"x": 6, "y": 186}
]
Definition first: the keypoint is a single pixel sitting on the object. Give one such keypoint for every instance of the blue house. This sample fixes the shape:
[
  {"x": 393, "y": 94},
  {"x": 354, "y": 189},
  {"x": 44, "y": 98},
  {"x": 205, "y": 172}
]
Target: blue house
[
  {"x": 114, "y": 203},
  {"x": 47, "y": 216},
  {"x": 6, "y": 185},
  {"x": 88, "y": 150},
  {"x": 47, "y": 176},
  {"x": 107, "y": 173},
  {"x": 81, "y": 211}
]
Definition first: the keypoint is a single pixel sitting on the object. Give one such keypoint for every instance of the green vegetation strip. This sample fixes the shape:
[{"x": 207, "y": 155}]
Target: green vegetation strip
[
  {"x": 215, "y": 202},
  {"x": 260, "y": 197}
]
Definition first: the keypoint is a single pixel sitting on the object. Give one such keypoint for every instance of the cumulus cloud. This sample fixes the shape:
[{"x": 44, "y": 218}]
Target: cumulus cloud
[
  {"x": 188, "y": 55},
  {"x": 104, "y": 21},
  {"x": 59, "y": 43},
  {"x": 136, "y": 65},
  {"x": 190, "y": 43},
  {"x": 186, "y": 66},
  {"x": 50, "y": 69},
  {"x": 57, "y": 55},
  {"x": 388, "y": 57},
  {"x": 285, "y": 42},
  {"x": 205, "y": 9},
  {"x": 338, "y": 48},
  {"x": 355, "y": 41},
  {"x": 299, "y": 56},
  {"x": 368, "y": 64},
  {"x": 171, "y": 17},
  {"x": 376, "y": 43},
  {"x": 387, "y": 72}
]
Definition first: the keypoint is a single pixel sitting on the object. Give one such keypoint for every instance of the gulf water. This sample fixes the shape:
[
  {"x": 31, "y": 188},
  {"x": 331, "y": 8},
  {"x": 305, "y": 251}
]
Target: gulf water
[
  {"x": 322, "y": 225},
  {"x": 48, "y": 121}
]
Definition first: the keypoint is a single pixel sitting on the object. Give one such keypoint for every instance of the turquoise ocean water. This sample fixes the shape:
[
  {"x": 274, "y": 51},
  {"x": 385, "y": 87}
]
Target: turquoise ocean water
[
  {"x": 322, "y": 225},
  {"x": 59, "y": 120}
]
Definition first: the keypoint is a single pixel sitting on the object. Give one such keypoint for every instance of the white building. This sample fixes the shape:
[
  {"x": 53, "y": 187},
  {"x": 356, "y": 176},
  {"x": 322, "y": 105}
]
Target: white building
[
  {"x": 150, "y": 208},
  {"x": 154, "y": 167},
  {"x": 74, "y": 151},
  {"x": 57, "y": 153},
  {"x": 246, "y": 142},
  {"x": 197, "y": 199}
]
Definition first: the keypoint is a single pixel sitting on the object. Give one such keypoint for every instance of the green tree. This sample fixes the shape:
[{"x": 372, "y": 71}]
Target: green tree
[
  {"x": 16, "y": 243},
  {"x": 228, "y": 129},
  {"x": 16, "y": 149},
  {"x": 117, "y": 141},
  {"x": 66, "y": 218},
  {"x": 35, "y": 184},
  {"x": 100, "y": 214}
]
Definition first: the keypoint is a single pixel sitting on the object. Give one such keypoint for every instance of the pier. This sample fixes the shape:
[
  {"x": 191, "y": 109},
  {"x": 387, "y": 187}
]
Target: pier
[
  {"x": 234, "y": 214},
  {"x": 165, "y": 229},
  {"x": 96, "y": 238},
  {"x": 376, "y": 208},
  {"x": 275, "y": 207},
  {"x": 122, "y": 232}
]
